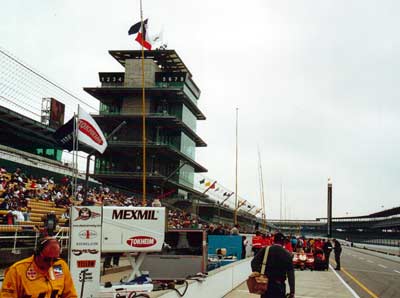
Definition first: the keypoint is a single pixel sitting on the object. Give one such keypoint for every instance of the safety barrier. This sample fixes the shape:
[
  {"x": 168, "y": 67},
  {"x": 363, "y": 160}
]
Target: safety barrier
[{"x": 218, "y": 283}]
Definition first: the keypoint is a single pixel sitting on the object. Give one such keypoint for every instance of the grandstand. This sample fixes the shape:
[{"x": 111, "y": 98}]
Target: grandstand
[{"x": 381, "y": 227}]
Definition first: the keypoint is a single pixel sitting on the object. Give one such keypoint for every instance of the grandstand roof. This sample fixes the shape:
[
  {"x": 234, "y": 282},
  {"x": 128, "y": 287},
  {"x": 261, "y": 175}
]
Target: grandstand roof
[
  {"x": 24, "y": 127},
  {"x": 384, "y": 213},
  {"x": 23, "y": 131}
]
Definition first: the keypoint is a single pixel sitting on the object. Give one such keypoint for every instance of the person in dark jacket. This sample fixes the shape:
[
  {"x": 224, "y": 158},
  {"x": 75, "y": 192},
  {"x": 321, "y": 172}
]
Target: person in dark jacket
[
  {"x": 279, "y": 266},
  {"x": 327, "y": 248},
  {"x": 219, "y": 230},
  {"x": 338, "y": 250}
]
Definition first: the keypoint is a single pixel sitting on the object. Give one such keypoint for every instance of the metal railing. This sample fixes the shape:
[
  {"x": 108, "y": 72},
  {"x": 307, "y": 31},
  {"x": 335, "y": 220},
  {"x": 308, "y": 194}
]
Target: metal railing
[
  {"x": 29, "y": 234},
  {"x": 21, "y": 232}
]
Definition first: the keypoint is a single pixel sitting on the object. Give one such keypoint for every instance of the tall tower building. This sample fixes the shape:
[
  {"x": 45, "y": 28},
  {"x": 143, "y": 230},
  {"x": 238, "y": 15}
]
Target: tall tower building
[{"x": 171, "y": 120}]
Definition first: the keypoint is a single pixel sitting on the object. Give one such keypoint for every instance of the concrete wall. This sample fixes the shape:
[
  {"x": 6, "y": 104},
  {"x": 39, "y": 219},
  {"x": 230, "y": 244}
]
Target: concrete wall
[
  {"x": 132, "y": 105},
  {"x": 133, "y": 78},
  {"x": 133, "y": 72},
  {"x": 219, "y": 282}
]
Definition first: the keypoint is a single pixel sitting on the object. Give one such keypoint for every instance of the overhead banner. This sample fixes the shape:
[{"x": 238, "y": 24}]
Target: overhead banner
[
  {"x": 85, "y": 248},
  {"x": 133, "y": 229}
]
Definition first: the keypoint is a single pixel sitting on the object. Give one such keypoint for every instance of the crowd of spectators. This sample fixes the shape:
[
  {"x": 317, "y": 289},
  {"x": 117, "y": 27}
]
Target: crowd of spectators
[
  {"x": 221, "y": 229},
  {"x": 16, "y": 189}
]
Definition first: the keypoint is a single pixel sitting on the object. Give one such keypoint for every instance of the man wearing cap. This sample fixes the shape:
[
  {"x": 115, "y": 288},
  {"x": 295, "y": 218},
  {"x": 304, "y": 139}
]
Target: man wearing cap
[
  {"x": 279, "y": 266},
  {"x": 42, "y": 275}
]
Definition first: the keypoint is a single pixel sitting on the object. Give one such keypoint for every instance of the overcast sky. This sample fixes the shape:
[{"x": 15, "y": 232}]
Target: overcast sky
[{"x": 314, "y": 81}]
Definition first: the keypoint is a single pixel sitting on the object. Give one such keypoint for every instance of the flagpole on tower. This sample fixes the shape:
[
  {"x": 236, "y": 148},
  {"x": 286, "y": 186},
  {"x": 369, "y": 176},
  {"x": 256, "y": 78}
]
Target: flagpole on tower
[{"x": 144, "y": 201}]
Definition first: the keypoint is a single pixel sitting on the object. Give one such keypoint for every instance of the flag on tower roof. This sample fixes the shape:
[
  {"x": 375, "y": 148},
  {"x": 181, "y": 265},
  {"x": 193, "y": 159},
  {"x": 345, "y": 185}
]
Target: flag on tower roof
[{"x": 142, "y": 35}]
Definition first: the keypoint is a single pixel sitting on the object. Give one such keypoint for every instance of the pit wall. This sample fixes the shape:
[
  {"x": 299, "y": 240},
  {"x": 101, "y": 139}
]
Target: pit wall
[{"x": 219, "y": 282}]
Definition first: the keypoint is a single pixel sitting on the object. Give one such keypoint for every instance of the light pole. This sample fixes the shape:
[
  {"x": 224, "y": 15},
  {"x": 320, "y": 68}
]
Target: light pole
[
  {"x": 236, "y": 168},
  {"x": 329, "y": 208}
]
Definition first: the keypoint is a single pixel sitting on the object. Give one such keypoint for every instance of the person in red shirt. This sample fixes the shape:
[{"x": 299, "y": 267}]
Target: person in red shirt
[
  {"x": 287, "y": 245},
  {"x": 266, "y": 241},
  {"x": 257, "y": 242},
  {"x": 317, "y": 245}
]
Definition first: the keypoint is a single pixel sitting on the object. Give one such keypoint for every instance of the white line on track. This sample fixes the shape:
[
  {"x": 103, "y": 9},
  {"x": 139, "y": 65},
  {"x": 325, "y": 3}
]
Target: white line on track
[
  {"x": 396, "y": 271},
  {"x": 370, "y": 271},
  {"x": 383, "y": 266},
  {"x": 344, "y": 283}
]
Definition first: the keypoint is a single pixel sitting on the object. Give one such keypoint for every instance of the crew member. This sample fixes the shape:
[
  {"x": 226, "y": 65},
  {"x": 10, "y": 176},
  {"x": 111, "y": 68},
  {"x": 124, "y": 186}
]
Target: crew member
[
  {"x": 288, "y": 246},
  {"x": 42, "y": 275},
  {"x": 257, "y": 242},
  {"x": 337, "y": 250},
  {"x": 266, "y": 240},
  {"x": 327, "y": 248},
  {"x": 279, "y": 265}
]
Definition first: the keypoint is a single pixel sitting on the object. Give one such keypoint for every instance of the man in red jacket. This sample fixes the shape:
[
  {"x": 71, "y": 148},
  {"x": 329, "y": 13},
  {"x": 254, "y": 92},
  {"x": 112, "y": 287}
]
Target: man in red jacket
[{"x": 257, "y": 242}]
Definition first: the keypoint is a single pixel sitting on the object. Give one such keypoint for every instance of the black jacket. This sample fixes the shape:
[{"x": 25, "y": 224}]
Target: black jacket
[
  {"x": 279, "y": 264},
  {"x": 327, "y": 248},
  {"x": 337, "y": 248}
]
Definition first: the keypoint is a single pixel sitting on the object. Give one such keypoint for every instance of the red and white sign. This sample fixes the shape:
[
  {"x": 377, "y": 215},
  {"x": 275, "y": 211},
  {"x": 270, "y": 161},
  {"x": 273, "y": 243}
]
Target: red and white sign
[
  {"x": 133, "y": 229},
  {"x": 141, "y": 241},
  {"x": 89, "y": 132},
  {"x": 86, "y": 263}
]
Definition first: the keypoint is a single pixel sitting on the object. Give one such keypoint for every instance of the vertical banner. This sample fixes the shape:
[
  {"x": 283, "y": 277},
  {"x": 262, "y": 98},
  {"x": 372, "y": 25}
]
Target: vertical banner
[
  {"x": 57, "y": 111},
  {"x": 85, "y": 245}
]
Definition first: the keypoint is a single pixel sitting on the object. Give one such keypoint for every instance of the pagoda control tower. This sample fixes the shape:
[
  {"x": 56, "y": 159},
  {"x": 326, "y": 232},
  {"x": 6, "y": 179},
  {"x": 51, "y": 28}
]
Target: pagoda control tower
[{"x": 171, "y": 118}]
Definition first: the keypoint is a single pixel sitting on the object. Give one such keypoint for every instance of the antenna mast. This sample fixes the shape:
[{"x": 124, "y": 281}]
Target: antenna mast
[{"x": 262, "y": 198}]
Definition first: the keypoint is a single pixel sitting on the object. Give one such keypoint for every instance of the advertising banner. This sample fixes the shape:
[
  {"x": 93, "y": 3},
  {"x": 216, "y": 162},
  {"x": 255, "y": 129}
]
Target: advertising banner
[
  {"x": 57, "y": 110},
  {"x": 90, "y": 132},
  {"x": 85, "y": 245},
  {"x": 133, "y": 229}
]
